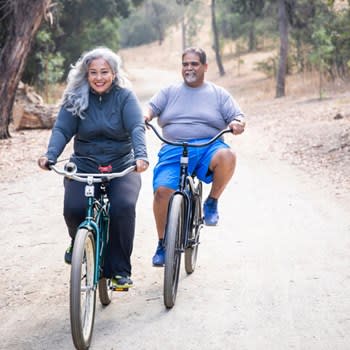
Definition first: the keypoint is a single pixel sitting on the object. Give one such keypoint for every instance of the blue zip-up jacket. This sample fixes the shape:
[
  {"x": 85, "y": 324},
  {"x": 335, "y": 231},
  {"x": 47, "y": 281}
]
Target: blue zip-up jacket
[{"x": 112, "y": 132}]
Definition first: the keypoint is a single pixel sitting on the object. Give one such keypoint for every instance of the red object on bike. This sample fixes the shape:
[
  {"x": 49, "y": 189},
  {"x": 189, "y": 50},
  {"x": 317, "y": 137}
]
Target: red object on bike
[{"x": 105, "y": 169}]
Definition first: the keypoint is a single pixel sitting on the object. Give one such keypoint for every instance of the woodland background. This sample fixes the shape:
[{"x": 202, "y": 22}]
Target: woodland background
[{"x": 286, "y": 61}]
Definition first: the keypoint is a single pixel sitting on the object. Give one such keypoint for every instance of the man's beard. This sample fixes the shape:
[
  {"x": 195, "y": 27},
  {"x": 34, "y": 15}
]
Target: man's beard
[{"x": 190, "y": 78}]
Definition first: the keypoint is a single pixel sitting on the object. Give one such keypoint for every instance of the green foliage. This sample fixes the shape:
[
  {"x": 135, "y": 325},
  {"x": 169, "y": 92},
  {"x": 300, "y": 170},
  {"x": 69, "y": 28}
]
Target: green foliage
[
  {"x": 248, "y": 20},
  {"x": 324, "y": 48},
  {"x": 319, "y": 36},
  {"x": 192, "y": 21},
  {"x": 268, "y": 66},
  {"x": 78, "y": 26},
  {"x": 103, "y": 33},
  {"x": 136, "y": 30},
  {"x": 51, "y": 73},
  {"x": 148, "y": 23}
]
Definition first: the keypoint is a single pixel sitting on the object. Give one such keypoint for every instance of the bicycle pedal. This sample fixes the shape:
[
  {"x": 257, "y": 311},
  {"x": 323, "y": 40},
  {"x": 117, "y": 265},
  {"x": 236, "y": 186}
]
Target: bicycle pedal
[{"x": 116, "y": 289}]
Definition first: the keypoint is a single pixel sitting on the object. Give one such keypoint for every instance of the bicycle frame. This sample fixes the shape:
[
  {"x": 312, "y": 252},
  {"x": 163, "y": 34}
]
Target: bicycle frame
[
  {"x": 97, "y": 220},
  {"x": 187, "y": 190}
]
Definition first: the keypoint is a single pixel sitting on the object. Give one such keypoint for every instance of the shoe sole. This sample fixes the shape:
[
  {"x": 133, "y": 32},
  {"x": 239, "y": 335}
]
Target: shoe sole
[
  {"x": 210, "y": 224},
  {"x": 158, "y": 265},
  {"x": 121, "y": 289}
]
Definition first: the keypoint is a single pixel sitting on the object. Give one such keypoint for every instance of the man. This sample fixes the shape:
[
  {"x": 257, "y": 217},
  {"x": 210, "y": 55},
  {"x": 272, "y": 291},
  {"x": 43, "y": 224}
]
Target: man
[{"x": 193, "y": 110}]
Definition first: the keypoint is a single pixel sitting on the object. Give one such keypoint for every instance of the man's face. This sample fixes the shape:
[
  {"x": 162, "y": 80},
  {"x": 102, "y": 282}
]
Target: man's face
[{"x": 193, "y": 70}]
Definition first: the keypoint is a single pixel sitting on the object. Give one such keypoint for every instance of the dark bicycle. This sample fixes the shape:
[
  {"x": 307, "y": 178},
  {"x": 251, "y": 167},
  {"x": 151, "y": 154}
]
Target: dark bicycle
[
  {"x": 88, "y": 254},
  {"x": 184, "y": 220}
]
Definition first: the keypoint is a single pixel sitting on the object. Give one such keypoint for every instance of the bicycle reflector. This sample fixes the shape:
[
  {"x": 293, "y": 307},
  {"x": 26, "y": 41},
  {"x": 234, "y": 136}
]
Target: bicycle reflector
[{"x": 70, "y": 167}]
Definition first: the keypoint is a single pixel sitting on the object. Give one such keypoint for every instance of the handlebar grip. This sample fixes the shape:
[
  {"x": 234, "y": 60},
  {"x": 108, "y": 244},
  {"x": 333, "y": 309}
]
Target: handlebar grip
[{"x": 49, "y": 164}]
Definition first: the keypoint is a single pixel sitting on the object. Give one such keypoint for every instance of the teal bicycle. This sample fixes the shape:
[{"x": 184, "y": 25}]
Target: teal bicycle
[{"x": 88, "y": 254}]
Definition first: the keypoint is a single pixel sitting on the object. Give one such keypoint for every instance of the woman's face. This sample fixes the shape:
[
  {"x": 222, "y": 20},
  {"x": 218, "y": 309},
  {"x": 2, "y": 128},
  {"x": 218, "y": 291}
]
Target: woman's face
[{"x": 100, "y": 75}]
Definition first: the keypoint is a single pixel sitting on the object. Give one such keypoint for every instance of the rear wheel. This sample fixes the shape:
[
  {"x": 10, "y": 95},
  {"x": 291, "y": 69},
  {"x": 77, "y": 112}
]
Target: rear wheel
[
  {"x": 104, "y": 291},
  {"x": 191, "y": 251},
  {"x": 82, "y": 289},
  {"x": 173, "y": 236}
]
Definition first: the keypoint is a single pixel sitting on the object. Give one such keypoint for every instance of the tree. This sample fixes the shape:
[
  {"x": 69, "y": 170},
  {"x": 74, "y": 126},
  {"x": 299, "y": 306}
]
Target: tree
[
  {"x": 283, "y": 56},
  {"x": 216, "y": 40},
  {"x": 250, "y": 11},
  {"x": 20, "y": 20}
]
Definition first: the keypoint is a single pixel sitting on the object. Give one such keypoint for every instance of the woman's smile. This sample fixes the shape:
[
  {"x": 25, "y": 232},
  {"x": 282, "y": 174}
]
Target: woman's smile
[{"x": 100, "y": 75}]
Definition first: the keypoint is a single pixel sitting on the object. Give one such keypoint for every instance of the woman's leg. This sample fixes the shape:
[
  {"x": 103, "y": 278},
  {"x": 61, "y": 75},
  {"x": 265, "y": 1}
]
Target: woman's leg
[
  {"x": 74, "y": 205},
  {"x": 123, "y": 194}
]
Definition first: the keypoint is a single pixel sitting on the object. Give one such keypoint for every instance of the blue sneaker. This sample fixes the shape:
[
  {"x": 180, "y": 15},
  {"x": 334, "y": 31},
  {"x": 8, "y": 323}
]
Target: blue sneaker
[
  {"x": 211, "y": 215},
  {"x": 159, "y": 256}
]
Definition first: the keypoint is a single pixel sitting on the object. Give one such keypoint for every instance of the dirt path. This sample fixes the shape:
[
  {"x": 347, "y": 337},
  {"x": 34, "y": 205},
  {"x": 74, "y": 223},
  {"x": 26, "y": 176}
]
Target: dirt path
[{"x": 274, "y": 275}]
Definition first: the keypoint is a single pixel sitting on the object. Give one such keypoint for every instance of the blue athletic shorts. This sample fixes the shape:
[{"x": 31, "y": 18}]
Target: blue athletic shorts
[{"x": 167, "y": 170}]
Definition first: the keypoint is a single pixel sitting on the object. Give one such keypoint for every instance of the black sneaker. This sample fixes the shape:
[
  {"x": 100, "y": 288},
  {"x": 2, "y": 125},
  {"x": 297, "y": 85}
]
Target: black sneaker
[
  {"x": 68, "y": 254},
  {"x": 121, "y": 283}
]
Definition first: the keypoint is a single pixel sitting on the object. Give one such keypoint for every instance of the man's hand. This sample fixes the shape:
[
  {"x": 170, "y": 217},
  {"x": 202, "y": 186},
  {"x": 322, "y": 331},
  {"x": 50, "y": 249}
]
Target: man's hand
[
  {"x": 148, "y": 115},
  {"x": 237, "y": 126}
]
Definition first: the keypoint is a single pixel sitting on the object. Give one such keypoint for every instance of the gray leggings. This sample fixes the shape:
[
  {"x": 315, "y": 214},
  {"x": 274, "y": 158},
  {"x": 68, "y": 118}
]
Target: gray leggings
[{"x": 123, "y": 194}]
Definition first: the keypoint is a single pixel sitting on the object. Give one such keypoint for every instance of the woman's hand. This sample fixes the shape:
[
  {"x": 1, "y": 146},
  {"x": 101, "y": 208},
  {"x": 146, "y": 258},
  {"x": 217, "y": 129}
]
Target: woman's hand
[
  {"x": 43, "y": 163},
  {"x": 141, "y": 165}
]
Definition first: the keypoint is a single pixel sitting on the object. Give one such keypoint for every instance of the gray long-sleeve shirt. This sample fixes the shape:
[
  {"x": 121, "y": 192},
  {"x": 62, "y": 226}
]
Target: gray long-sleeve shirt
[{"x": 112, "y": 132}]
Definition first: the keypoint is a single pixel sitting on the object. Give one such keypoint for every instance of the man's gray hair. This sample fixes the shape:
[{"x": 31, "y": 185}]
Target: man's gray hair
[{"x": 198, "y": 51}]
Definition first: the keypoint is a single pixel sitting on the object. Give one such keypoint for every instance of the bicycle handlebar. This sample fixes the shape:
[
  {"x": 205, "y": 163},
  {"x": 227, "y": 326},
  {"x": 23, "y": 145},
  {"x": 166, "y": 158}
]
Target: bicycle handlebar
[
  {"x": 184, "y": 143},
  {"x": 90, "y": 177}
]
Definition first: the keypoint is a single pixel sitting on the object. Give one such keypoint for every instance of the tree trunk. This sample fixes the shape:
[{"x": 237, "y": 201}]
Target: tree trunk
[
  {"x": 282, "y": 66},
  {"x": 216, "y": 40},
  {"x": 252, "y": 40},
  {"x": 24, "y": 19},
  {"x": 29, "y": 111}
]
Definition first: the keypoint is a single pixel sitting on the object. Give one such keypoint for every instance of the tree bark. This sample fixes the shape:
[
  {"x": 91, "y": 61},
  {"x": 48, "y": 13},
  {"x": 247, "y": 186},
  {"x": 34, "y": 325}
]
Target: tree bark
[
  {"x": 216, "y": 40},
  {"x": 24, "y": 19},
  {"x": 283, "y": 57}
]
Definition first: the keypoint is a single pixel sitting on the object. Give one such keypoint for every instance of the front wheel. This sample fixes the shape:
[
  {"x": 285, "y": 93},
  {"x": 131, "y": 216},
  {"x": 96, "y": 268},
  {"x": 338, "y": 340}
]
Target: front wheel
[
  {"x": 173, "y": 236},
  {"x": 82, "y": 289}
]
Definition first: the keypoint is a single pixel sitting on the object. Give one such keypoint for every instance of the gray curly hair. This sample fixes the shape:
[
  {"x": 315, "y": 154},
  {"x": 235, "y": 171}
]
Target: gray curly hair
[{"x": 76, "y": 95}]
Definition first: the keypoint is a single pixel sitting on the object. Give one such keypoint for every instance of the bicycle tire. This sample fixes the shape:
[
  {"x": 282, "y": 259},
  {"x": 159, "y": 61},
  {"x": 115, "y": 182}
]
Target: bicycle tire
[
  {"x": 173, "y": 236},
  {"x": 191, "y": 251},
  {"x": 104, "y": 291},
  {"x": 82, "y": 289}
]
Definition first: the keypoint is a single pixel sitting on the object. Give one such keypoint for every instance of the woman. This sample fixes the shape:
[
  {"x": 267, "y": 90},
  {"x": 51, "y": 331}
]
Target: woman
[{"x": 106, "y": 121}]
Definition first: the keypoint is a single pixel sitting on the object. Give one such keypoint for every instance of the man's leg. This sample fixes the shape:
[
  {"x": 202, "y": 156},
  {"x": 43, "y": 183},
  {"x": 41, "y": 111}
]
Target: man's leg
[
  {"x": 160, "y": 210},
  {"x": 223, "y": 166}
]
